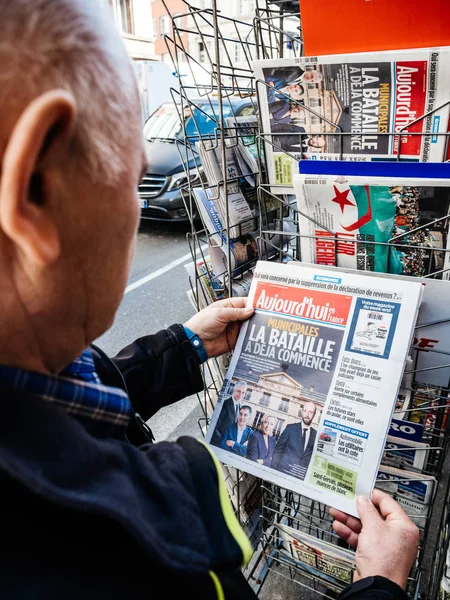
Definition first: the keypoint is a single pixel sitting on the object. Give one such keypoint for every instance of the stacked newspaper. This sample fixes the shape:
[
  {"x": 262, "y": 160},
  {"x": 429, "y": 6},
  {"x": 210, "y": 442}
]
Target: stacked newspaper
[
  {"x": 243, "y": 132},
  {"x": 344, "y": 106},
  {"x": 233, "y": 210},
  {"x": 209, "y": 288},
  {"x": 414, "y": 491},
  {"x": 324, "y": 354},
  {"x": 248, "y": 246},
  {"x": 311, "y": 555}
]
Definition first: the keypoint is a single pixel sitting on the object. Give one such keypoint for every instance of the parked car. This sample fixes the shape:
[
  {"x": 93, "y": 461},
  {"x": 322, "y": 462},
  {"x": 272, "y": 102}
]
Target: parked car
[{"x": 160, "y": 191}]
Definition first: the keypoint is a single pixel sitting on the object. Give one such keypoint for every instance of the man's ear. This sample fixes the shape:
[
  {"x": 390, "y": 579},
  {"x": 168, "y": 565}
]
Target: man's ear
[{"x": 43, "y": 129}]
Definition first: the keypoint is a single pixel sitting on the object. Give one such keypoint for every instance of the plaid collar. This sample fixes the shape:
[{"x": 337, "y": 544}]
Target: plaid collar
[{"x": 105, "y": 411}]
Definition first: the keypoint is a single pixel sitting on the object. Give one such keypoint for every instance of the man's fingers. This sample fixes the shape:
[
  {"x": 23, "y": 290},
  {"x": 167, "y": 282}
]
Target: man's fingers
[
  {"x": 234, "y": 302},
  {"x": 389, "y": 508},
  {"x": 228, "y": 315},
  {"x": 367, "y": 511},
  {"x": 352, "y": 522},
  {"x": 346, "y": 533}
]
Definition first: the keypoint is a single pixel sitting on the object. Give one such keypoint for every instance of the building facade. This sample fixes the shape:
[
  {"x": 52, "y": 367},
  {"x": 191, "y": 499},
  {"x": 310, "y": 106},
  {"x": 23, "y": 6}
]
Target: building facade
[{"x": 280, "y": 395}]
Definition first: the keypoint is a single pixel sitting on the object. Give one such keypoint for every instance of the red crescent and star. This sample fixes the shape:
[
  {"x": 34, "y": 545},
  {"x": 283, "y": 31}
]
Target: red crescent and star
[{"x": 341, "y": 198}]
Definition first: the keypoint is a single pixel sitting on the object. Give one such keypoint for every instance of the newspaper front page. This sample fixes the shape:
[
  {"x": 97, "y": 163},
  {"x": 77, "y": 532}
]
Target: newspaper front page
[
  {"x": 307, "y": 103},
  {"x": 312, "y": 385},
  {"x": 378, "y": 224}
]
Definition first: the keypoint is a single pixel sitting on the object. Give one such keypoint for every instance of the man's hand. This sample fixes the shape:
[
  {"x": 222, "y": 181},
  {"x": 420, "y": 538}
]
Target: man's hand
[
  {"x": 217, "y": 325},
  {"x": 385, "y": 538}
]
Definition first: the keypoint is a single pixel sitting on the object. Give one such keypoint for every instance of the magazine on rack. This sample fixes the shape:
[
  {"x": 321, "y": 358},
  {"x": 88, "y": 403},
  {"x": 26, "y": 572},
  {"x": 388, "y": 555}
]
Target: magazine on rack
[
  {"x": 413, "y": 491},
  {"x": 243, "y": 137},
  {"x": 323, "y": 559},
  {"x": 405, "y": 453},
  {"x": 209, "y": 287},
  {"x": 307, "y": 102},
  {"x": 311, "y": 356},
  {"x": 230, "y": 201},
  {"x": 388, "y": 225}
]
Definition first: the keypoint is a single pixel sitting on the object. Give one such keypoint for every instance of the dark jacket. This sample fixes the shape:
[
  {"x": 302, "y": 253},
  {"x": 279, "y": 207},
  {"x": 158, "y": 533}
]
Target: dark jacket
[
  {"x": 289, "y": 456},
  {"x": 91, "y": 518},
  {"x": 257, "y": 448},
  {"x": 155, "y": 370},
  {"x": 227, "y": 417},
  {"x": 231, "y": 434},
  {"x": 100, "y": 519}
]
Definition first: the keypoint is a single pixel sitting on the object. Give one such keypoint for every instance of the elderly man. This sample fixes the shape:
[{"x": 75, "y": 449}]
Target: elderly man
[
  {"x": 229, "y": 413},
  {"x": 85, "y": 513}
]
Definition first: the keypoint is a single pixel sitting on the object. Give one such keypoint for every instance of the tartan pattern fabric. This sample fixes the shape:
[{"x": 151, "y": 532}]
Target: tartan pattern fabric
[{"x": 103, "y": 410}]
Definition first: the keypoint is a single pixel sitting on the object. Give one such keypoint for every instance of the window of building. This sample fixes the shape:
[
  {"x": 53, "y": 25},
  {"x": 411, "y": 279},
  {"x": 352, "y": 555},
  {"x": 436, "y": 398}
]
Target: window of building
[
  {"x": 265, "y": 400},
  {"x": 154, "y": 28},
  {"x": 248, "y": 394},
  {"x": 122, "y": 11},
  {"x": 164, "y": 25},
  {"x": 201, "y": 52},
  {"x": 179, "y": 20},
  {"x": 284, "y": 405},
  {"x": 257, "y": 420},
  {"x": 125, "y": 14},
  {"x": 278, "y": 428}
]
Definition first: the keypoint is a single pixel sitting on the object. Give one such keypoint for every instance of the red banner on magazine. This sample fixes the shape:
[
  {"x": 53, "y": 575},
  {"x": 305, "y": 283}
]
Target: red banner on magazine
[
  {"x": 410, "y": 104},
  {"x": 307, "y": 304}
]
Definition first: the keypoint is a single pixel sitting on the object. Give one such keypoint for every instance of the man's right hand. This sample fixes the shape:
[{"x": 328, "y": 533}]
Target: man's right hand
[{"x": 385, "y": 538}]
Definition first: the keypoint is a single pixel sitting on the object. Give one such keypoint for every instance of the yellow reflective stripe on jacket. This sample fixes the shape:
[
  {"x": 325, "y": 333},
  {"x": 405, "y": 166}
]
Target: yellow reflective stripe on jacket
[
  {"x": 230, "y": 518},
  {"x": 217, "y": 585}
]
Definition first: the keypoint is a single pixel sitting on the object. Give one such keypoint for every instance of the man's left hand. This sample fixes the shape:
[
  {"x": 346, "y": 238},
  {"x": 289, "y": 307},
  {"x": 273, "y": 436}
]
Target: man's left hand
[{"x": 217, "y": 325}]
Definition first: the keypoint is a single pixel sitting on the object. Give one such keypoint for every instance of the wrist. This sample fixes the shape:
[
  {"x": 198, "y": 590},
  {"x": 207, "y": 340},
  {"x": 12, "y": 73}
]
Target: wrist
[
  {"x": 377, "y": 586},
  {"x": 197, "y": 345}
]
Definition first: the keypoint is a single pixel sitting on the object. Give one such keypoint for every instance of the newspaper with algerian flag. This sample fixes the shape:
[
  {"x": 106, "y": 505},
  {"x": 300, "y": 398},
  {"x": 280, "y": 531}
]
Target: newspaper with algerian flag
[{"x": 318, "y": 368}]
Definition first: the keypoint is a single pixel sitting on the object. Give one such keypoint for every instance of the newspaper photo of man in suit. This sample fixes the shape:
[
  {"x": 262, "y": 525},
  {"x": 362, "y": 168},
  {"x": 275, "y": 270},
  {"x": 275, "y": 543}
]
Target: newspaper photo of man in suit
[
  {"x": 237, "y": 435},
  {"x": 294, "y": 448},
  {"x": 230, "y": 411}
]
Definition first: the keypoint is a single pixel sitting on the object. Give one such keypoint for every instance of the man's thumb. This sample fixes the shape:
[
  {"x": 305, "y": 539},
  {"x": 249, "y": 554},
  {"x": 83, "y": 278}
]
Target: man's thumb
[
  {"x": 238, "y": 314},
  {"x": 367, "y": 511}
]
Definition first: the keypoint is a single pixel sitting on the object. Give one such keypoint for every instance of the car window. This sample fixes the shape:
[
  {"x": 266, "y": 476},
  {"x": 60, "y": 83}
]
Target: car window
[
  {"x": 165, "y": 124},
  {"x": 247, "y": 110},
  {"x": 205, "y": 119}
]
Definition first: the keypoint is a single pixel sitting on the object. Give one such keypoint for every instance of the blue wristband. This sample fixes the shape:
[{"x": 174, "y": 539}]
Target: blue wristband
[{"x": 197, "y": 344}]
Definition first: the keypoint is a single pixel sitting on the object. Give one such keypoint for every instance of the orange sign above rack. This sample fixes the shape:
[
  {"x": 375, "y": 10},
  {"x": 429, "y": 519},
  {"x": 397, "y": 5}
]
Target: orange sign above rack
[{"x": 371, "y": 25}]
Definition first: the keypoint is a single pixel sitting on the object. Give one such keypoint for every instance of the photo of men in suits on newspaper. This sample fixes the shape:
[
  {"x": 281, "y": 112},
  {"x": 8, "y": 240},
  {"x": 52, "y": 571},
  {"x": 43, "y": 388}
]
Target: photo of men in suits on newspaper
[{"x": 269, "y": 410}]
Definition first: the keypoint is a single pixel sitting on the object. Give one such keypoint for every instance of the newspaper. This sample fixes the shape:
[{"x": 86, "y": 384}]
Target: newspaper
[
  {"x": 324, "y": 351},
  {"x": 306, "y": 103},
  {"x": 430, "y": 406},
  {"x": 432, "y": 335},
  {"x": 407, "y": 483},
  {"x": 405, "y": 453},
  {"x": 326, "y": 561},
  {"x": 243, "y": 133},
  {"x": 231, "y": 201},
  {"x": 246, "y": 249},
  {"x": 388, "y": 225},
  {"x": 413, "y": 491},
  {"x": 210, "y": 288}
]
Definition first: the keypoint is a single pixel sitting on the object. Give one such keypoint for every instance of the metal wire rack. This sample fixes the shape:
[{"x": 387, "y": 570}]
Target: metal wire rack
[{"x": 226, "y": 81}]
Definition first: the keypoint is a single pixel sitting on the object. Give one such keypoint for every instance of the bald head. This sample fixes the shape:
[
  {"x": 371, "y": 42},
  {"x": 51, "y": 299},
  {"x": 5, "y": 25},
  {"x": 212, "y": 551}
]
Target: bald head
[
  {"x": 71, "y": 155},
  {"x": 70, "y": 45},
  {"x": 308, "y": 413}
]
